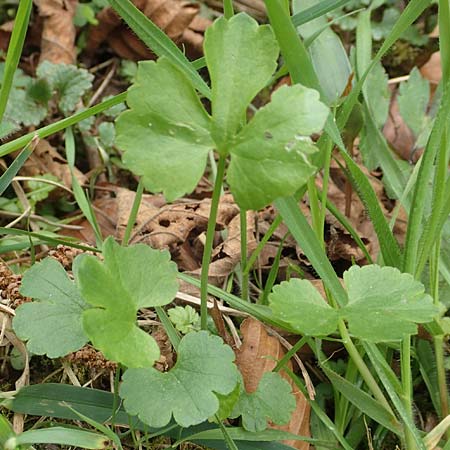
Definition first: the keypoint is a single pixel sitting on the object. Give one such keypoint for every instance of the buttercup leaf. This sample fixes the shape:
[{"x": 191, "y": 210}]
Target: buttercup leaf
[
  {"x": 129, "y": 278},
  {"x": 204, "y": 367},
  {"x": 298, "y": 303},
  {"x": 269, "y": 159},
  {"x": 241, "y": 57},
  {"x": 273, "y": 400},
  {"x": 52, "y": 324},
  {"x": 385, "y": 304},
  {"x": 165, "y": 134}
]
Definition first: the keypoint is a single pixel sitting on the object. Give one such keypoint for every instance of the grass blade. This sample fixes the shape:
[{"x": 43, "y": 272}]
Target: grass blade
[
  {"x": 59, "y": 435},
  {"x": 385, "y": 374},
  {"x": 53, "y": 128},
  {"x": 388, "y": 244},
  {"x": 349, "y": 228},
  {"x": 157, "y": 41},
  {"x": 416, "y": 214},
  {"x": 297, "y": 58},
  {"x": 363, "y": 401},
  {"x": 310, "y": 245},
  {"x": 16, "y": 165},
  {"x": 46, "y": 238},
  {"x": 319, "y": 10},
  {"x": 79, "y": 194},
  {"x": 14, "y": 51}
]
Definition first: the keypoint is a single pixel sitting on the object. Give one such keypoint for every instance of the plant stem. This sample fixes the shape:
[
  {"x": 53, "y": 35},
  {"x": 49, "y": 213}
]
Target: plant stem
[
  {"x": 405, "y": 359},
  {"x": 438, "y": 341},
  {"x": 254, "y": 256},
  {"x": 207, "y": 251},
  {"x": 325, "y": 178},
  {"x": 133, "y": 213},
  {"x": 228, "y": 10},
  {"x": 362, "y": 367},
  {"x": 245, "y": 277},
  {"x": 315, "y": 209}
]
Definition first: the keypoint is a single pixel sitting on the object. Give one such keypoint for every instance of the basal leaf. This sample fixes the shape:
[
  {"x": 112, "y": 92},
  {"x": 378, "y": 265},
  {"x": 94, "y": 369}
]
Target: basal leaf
[
  {"x": 165, "y": 134},
  {"x": 273, "y": 400},
  {"x": 185, "y": 319},
  {"x": 241, "y": 57},
  {"x": 68, "y": 81},
  {"x": 52, "y": 324},
  {"x": 298, "y": 303},
  {"x": 129, "y": 278},
  {"x": 385, "y": 304},
  {"x": 204, "y": 367},
  {"x": 270, "y": 155}
]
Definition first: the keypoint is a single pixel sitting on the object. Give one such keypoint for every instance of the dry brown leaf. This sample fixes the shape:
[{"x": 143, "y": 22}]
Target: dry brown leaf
[
  {"x": 259, "y": 354},
  {"x": 174, "y": 17},
  {"x": 58, "y": 31}
]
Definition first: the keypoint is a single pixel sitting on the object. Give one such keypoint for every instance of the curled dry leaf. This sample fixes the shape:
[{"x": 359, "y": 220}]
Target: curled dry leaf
[
  {"x": 174, "y": 17},
  {"x": 258, "y": 355},
  {"x": 58, "y": 30}
]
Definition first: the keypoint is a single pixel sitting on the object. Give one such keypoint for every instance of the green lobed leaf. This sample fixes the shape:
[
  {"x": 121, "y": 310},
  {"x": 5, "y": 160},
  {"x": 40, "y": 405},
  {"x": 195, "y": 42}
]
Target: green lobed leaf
[
  {"x": 185, "y": 319},
  {"x": 241, "y": 57},
  {"x": 299, "y": 303},
  {"x": 384, "y": 305},
  {"x": 272, "y": 400},
  {"x": 270, "y": 155},
  {"x": 204, "y": 366},
  {"x": 69, "y": 81},
  {"x": 52, "y": 324},
  {"x": 130, "y": 278},
  {"x": 165, "y": 134}
]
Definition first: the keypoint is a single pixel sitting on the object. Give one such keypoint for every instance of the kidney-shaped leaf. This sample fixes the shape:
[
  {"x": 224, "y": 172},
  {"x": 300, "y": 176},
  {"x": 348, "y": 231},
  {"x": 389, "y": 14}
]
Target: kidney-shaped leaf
[
  {"x": 204, "y": 367},
  {"x": 273, "y": 400},
  {"x": 298, "y": 303},
  {"x": 270, "y": 156},
  {"x": 129, "y": 278},
  {"x": 52, "y": 325},
  {"x": 241, "y": 57},
  {"x": 165, "y": 133},
  {"x": 385, "y": 304}
]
